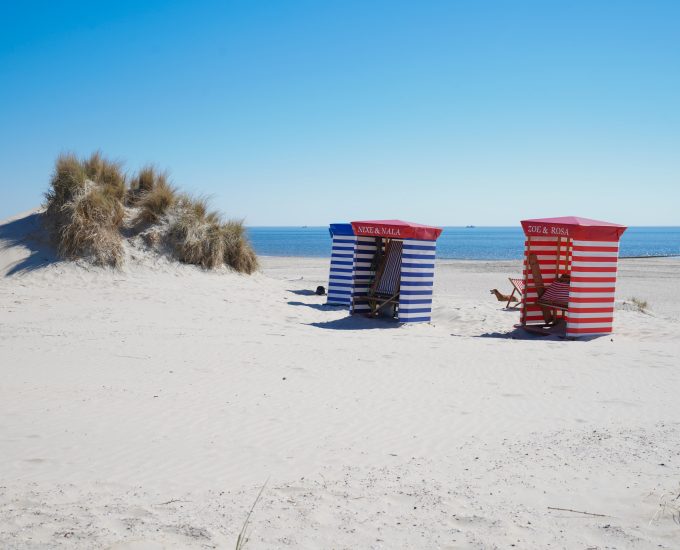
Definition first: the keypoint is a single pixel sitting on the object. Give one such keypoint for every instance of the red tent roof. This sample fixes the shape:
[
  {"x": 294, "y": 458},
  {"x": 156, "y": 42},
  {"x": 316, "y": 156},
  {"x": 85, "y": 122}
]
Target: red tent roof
[
  {"x": 573, "y": 227},
  {"x": 396, "y": 229}
]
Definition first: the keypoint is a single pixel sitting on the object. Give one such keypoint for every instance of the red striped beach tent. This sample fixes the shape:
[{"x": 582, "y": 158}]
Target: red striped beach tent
[
  {"x": 576, "y": 258},
  {"x": 415, "y": 271},
  {"x": 342, "y": 264}
]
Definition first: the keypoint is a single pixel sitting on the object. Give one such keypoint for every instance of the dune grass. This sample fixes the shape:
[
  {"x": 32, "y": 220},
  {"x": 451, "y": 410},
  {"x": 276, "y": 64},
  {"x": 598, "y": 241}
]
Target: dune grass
[
  {"x": 195, "y": 234},
  {"x": 67, "y": 181},
  {"x": 86, "y": 211},
  {"x": 145, "y": 179},
  {"x": 151, "y": 190},
  {"x": 107, "y": 174},
  {"x": 85, "y": 208},
  {"x": 200, "y": 236},
  {"x": 153, "y": 198},
  {"x": 238, "y": 253}
]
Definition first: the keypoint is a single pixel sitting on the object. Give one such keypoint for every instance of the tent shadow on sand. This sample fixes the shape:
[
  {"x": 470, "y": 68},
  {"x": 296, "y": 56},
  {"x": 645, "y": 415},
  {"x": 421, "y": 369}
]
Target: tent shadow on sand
[
  {"x": 318, "y": 307},
  {"x": 357, "y": 322},
  {"x": 515, "y": 334},
  {"x": 27, "y": 232},
  {"x": 520, "y": 333},
  {"x": 303, "y": 292}
]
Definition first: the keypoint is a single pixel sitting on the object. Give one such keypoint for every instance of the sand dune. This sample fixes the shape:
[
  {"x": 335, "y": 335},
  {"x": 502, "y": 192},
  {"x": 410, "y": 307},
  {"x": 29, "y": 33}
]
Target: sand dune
[{"x": 145, "y": 408}]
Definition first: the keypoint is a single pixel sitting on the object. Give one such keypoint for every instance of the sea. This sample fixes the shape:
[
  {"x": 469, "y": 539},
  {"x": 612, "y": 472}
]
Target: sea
[{"x": 459, "y": 243}]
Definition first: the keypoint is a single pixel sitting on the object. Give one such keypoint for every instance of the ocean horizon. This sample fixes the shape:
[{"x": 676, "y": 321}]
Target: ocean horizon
[{"x": 459, "y": 243}]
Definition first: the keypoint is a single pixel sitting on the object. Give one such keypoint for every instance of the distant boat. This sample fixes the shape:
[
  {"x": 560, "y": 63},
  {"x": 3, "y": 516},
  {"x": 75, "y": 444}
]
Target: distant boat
[
  {"x": 304, "y": 227},
  {"x": 469, "y": 227}
]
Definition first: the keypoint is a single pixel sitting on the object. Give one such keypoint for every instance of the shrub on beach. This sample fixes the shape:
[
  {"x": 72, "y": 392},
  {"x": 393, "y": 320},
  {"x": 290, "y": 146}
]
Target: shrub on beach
[{"x": 85, "y": 208}]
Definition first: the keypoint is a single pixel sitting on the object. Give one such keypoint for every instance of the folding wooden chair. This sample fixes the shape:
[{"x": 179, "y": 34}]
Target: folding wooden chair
[
  {"x": 556, "y": 294},
  {"x": 551, "y": 297},
  {"x": 517, "y": 286}
]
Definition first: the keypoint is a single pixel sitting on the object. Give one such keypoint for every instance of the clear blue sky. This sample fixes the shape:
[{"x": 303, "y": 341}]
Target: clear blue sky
[{"x": 292, "y": 113}]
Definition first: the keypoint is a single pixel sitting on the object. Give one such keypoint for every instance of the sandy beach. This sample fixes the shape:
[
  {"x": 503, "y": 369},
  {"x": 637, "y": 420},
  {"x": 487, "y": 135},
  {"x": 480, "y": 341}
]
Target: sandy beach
[{"x": 145, "y": 408}]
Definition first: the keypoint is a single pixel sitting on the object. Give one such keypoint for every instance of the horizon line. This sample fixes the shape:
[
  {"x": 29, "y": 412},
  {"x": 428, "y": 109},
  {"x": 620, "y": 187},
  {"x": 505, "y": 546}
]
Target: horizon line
[{"x": 295, "y": 226}]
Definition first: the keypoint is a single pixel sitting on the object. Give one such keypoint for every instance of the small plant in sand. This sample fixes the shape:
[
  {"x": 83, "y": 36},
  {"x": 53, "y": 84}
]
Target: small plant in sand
[
  {"x": 669, "y": 506},
  {"x": 84, "y": 208},
  {"x": 640, "y": 305},
  {"x": 243, "y": 539}
]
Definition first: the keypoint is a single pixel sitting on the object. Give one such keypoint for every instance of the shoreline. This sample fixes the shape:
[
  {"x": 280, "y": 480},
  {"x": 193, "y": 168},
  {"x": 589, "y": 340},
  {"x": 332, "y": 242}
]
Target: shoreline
[{"x": 469, "y": 259}]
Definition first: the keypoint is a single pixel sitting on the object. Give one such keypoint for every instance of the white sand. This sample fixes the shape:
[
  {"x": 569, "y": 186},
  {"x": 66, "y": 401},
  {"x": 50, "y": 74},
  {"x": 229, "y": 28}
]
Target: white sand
[{"x": 146, "y": 408}]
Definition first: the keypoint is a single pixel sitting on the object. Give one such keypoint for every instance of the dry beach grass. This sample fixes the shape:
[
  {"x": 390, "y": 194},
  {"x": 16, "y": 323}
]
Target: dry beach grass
[
  {"x": 84, "y": 208},
  {"x": 89, "y": 202},
  {"x": 152, "y": 193}
]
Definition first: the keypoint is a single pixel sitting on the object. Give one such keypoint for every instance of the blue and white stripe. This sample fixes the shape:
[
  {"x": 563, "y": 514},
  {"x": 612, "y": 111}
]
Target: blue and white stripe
[
  {"x": 341, "y": 280},
  {"x": 362, "y": 275},
  {"x": 417, "y": 281}
]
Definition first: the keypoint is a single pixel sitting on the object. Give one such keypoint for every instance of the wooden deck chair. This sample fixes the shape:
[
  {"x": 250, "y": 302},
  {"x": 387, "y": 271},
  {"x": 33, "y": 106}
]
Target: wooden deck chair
[
  {"x": 556, "y": 294},
  {"x": 553, "y": 296},
  {"x": 517, "y": 286},
  {"x": 385, "y": 287}
]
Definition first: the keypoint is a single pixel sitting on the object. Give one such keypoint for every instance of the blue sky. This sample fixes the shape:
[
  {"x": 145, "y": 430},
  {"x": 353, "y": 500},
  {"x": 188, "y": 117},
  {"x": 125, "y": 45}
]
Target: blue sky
[{"x": 305, "y": 113}]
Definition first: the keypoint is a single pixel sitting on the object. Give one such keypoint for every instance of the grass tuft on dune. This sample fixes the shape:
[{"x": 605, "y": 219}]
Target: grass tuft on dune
[
  {"x": 237, "y": 250},
  {"x": 84, "y": 209},
  {"x": 196, "y": 234},
  {"x": 154, "y": 196},
  {"x": 200, "y": 236}
]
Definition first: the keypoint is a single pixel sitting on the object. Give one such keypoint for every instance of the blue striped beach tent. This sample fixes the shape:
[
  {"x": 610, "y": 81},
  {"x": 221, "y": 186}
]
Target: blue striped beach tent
[
  {"x": 342, "y": 264},
  {"x": 393, "y": 269}
]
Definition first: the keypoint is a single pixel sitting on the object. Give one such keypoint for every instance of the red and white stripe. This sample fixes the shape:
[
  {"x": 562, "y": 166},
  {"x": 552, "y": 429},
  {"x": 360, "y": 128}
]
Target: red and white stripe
[
  {"x": 557, "y": 293},
  {"x": 593, "y": 286},
  {"x": 518, "y": 284}
]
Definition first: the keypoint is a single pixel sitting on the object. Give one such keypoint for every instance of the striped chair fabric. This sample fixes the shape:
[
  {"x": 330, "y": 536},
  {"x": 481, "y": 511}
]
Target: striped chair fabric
[
  {"x": 391, "y": 275},
  {"x": 518, "y": 284},
  {"x": 556, "y": 294}
]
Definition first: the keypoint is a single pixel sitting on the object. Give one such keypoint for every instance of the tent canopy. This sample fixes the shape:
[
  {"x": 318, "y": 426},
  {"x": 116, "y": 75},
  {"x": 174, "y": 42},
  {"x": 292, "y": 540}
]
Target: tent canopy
[
  {"x": 396, "y": 229},
  {"x": 344, "y": 229},
  {"x": 573, "y": 227}
]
